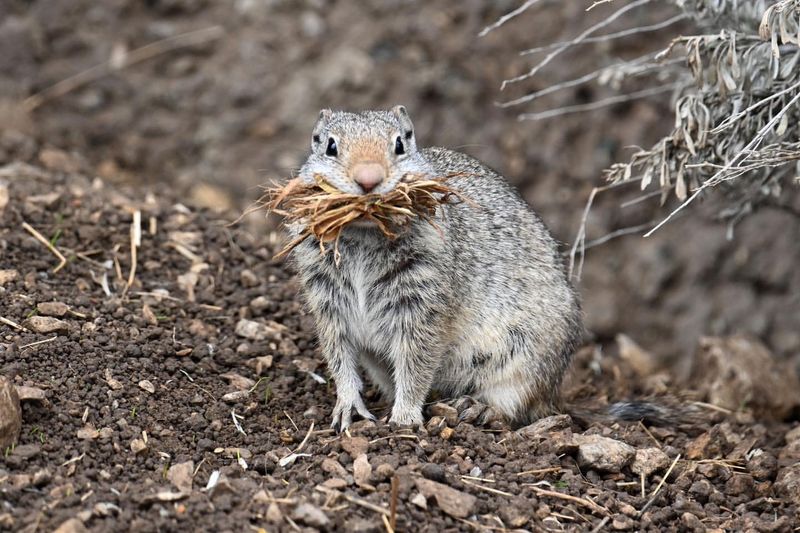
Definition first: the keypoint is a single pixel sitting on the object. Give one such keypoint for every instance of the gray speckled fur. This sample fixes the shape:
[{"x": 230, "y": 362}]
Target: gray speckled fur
[{"x": 482, "y": 309}]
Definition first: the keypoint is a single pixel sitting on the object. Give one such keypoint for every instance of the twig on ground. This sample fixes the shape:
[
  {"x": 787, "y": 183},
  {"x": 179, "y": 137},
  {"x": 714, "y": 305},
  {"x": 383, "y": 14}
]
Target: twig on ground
[
  {"x": 39, "y": 237},
  {"x": 486, "y": 489},
  {"x": 580, "y": 501},
  {"x": 305, "y": 440},
  {"x": 354, "y": 500},
  {"x": 74, "y": 459},
  {"x": 393, "y": 502},
  {"x": 397, "y": 436},
  {"x": 236, "y": 422},
  {"x": 292, "y": 421},
  {"x": 661, "y": 484},
  {"x": 601, "y": 525},
  {"x": 539, "y": 471},
  {"x": 713, "y": 407},
  {"x": 37, "y": 343},
  {"x": 387, "y": 524},
  {"x": 9, "y": 322}
]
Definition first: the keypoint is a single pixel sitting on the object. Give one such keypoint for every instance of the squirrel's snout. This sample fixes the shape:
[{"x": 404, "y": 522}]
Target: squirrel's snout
[{"x": 368, "y": 175}]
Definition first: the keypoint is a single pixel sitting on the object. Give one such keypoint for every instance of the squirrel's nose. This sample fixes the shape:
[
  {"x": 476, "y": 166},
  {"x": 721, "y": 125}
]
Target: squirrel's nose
[{"x": 368, "y": 175}]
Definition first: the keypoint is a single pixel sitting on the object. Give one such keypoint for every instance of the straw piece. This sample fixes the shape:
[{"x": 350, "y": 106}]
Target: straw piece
[{"x": 324, "y": 211}]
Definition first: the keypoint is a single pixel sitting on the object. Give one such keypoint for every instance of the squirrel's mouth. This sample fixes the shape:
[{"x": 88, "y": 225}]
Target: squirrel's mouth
[
  {"x": 324, "y": 213},
  {"x": 364, "y": 223}
]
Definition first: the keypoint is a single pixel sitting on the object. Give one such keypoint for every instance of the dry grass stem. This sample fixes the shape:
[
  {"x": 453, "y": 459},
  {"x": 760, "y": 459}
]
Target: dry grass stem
[
  {"x": 136, "y": 241},
  {"x": 305, "y": 440},
  {"x": 9, "y": 322},
  {"x": 580, "y": 501},
  {"x": 539, "y": 471},
  {"x": 352, "y": 499},
  {"x": 604, "y": 522},
  {"x": 398, "y": 436},
  {"x": 660, "y": 484},
  {"x": 387, "y": 524},
  {"x": 39, "y": 237},
  {"x": 393, "y": 502},
  {"x": 37, "y": 343},
  {"x": 324, "y": 211},
  {"x": 486, "y": 489},
  {"x": 713, "y": 407}
]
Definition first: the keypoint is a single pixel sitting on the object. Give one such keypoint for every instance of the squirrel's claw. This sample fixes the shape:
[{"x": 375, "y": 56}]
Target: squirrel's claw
[{"x": 343, "y": 413}]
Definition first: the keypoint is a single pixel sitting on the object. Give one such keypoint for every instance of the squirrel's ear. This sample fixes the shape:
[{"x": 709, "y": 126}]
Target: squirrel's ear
[
  {"x": 324, "y": 116},
  {"x": 405, "y": 120}
]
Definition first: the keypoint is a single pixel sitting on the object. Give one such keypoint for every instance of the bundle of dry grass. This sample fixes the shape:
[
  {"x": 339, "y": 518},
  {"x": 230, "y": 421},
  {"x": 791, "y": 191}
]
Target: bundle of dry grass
[
  {"x": 735, "y": 89},
  {"x": 324, "y": 211}
]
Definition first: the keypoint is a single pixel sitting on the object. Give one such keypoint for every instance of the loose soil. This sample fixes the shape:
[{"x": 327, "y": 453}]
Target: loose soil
[{"x": 209, "y": 358}]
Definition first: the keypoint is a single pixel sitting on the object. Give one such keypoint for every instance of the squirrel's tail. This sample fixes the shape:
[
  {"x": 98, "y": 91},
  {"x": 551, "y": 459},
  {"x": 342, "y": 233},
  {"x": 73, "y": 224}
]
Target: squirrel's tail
[
  {"x": 664, "y": 412},
  {"x": 643, "y": 411}
]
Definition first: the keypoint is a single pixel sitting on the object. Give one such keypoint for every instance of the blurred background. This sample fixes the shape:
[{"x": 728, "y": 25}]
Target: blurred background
[{"x": 230, "y": 107}]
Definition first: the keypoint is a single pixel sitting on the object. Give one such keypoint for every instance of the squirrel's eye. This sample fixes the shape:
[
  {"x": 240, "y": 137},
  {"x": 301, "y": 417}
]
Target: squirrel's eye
[
  {"x": 399, "y": 149},
  {"x": 332, "y": 150}
]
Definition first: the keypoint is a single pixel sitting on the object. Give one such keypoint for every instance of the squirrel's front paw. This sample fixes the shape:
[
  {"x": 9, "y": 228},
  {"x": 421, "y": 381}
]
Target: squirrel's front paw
[
  {"x": 343, "y": 412},
  {"x": 407, "y": 417}
]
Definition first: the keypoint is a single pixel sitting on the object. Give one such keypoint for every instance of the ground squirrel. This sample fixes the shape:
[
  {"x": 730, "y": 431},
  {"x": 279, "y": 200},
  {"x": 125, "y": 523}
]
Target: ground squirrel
[{"x": 480, "y": 306}]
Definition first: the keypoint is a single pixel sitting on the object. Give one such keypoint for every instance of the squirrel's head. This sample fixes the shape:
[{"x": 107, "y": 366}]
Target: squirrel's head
[{"x": 367, "y": 152}]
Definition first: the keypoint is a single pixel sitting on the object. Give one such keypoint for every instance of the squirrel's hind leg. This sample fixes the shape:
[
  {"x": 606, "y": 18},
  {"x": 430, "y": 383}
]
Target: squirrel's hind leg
[
  {"x": 342, "y": 360},
  {"x": 379, "y": 374}
]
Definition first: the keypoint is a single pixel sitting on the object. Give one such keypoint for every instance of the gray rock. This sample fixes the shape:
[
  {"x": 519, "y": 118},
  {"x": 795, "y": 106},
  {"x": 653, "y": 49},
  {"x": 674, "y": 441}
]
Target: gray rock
[
  {"x": 649, "y": 460},
  {"x": 259, "y": 331},
  {"x": 310, "y": 515},
  {"x": 603, "y": 453},
  {"x": 543, "y": 426},
  {"x": 448, "y": 412},
  {"x": 56, "y": 309},
  {"x": 46, "y": 324}
]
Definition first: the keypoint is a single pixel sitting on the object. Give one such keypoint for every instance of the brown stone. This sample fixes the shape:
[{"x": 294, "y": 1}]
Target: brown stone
[{"x": 453, "y": 502}]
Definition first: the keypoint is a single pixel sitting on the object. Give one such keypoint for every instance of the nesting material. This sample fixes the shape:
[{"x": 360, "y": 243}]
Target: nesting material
[{"x": 325, "y": 211}]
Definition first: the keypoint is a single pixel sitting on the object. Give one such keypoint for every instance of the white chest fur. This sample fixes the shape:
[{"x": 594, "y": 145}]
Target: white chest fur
[{"x": 362, "y": 324}]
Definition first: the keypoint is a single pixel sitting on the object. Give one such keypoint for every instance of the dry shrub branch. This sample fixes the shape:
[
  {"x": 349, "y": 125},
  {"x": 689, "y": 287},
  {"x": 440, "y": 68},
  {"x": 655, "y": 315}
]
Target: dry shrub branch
[{"x": 736, "y": 98}]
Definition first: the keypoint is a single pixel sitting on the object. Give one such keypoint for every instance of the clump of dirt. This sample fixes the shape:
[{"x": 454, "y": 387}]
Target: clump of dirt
[{"x": 182, "y": 390}]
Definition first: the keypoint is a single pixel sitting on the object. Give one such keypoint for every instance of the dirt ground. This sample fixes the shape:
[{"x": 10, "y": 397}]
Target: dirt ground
[
  {"x": 187, "y": 136},
  {"x": 196, "y": 400}
]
